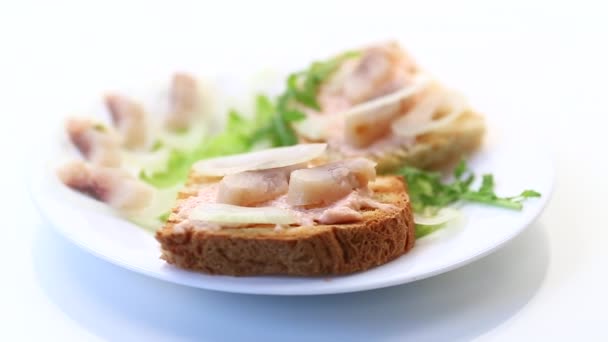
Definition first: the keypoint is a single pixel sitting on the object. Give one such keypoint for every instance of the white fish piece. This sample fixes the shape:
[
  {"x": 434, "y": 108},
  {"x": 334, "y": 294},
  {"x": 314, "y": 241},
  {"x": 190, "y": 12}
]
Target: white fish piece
[
  {"x": 325, "y": 184},
  {"x": 115, "y": 187},
  {"x": 184, "y": 102},
  {"x": 95, "y": 142},
  {"x": 380, "y": 70},
  {"x": 129, "y": 118},
  {"x": 366, "y": 123},
  {"x": 253, "y": 187}
]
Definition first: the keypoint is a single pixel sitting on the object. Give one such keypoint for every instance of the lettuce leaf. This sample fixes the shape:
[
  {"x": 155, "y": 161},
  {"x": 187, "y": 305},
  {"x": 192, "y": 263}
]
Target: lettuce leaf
[{"x": 237, "y": 137}]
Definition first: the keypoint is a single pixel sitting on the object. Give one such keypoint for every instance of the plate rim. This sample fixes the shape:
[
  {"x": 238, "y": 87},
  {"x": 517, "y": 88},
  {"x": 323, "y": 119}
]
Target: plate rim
[{"x": 38, "y": 171}]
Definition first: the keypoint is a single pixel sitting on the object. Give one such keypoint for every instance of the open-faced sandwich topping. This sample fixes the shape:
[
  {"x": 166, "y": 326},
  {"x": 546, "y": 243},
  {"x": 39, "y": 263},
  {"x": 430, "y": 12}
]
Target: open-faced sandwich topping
[
  {"x": 330, "y": 193},
  {"x": 376, "y": 104}
]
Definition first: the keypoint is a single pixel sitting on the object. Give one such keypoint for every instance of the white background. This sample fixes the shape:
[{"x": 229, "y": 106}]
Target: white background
[{"x": 542, "y": 64}]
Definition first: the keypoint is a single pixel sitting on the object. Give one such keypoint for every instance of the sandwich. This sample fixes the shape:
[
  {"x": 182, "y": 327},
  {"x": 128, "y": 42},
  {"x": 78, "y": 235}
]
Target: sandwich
[
  {"x": 287, "y": 211},
  {"x": 379, "y": 104}
]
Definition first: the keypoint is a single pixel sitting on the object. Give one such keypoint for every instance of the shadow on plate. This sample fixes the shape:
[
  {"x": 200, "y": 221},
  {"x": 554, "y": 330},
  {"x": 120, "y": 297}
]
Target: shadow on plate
[{"x": 118, "y": 304}]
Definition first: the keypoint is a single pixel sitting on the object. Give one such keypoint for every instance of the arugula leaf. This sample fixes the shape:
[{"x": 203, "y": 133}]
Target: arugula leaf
[
  {"x": 526, "y": 194},
  {"x": 460, "y": 169},
  {"x": 490, "y": 198},
  {"x": 303, "y": 93},
  {"x": 487, "y": 184},
  {"x": 429, "y": 192}
]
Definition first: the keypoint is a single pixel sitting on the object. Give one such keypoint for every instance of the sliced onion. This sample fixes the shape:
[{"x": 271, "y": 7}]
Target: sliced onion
[
  {"x": 233, "y": 214},
  {"x": 444, "y": 215},
  {"x": 260, "y": 160},
  {"x": 366, "y": 122},
  {"x": 420, "y": 119}
]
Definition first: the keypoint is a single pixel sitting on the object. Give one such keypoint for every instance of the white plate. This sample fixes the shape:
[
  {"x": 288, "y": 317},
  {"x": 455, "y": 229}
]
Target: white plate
[{"x": 517, "y": 165}]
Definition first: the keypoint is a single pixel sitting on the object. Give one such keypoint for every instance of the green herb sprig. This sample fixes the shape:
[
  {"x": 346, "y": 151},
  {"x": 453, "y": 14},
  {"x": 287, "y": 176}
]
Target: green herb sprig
[
  {"x": 301, "y": 90},
  {"x": 429, "y": 192}
]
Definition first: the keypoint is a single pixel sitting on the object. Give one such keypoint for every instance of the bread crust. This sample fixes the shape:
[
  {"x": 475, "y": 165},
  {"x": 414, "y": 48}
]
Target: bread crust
[{"x": 302, "y": 251}]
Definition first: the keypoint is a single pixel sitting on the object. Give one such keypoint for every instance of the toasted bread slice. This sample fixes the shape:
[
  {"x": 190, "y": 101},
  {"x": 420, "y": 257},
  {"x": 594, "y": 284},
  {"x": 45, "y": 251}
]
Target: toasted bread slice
[
  {"x": 300, "y": 251},
  {"x": 433, "y": 150}
]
